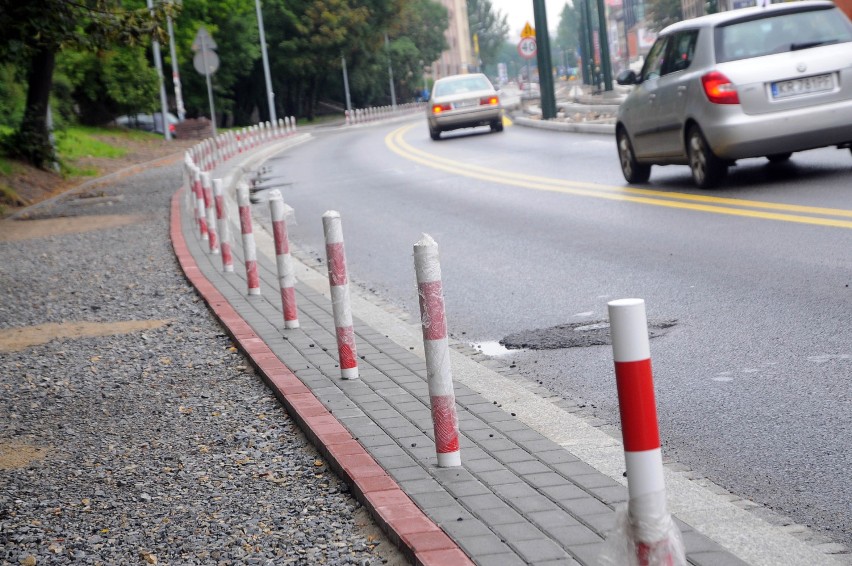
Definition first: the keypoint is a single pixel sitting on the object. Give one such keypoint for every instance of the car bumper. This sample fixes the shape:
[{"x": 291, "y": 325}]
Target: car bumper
[
  {"x": 466, "y": 118},
  {"x": 738, "y": 136}
]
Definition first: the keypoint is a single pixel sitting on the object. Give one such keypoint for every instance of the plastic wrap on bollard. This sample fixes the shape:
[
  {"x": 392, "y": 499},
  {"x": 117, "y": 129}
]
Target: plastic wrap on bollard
[{"x": 627, "y": 544}]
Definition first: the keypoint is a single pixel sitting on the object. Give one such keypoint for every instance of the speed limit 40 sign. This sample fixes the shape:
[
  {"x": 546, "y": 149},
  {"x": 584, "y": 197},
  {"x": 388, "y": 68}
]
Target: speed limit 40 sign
[{"x": 527, "y": 47}]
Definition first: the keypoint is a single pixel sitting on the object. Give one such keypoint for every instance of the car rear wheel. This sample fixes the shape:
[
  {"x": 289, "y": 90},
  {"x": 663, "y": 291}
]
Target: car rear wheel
[
  {"x": 779, "y": 157},
  {"x": 707, "y": 169},
  {"x": 434, "y": 133},
  {"x": 497, "y": 126},
  {"x": 633, "y": 172}
]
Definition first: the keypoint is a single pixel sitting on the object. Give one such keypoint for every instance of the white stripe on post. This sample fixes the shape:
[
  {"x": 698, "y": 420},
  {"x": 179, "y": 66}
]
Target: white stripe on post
[
  {"x": 286, "y": 274},
  {"x": 654, "y": 535},
  {"x": 438, "y": 371},
  {"x": 249, "y": 247},
  {"x": 224, "y": 227},
  {"x": 210, "y": 209},
  {"x": 340, "y": 305}
]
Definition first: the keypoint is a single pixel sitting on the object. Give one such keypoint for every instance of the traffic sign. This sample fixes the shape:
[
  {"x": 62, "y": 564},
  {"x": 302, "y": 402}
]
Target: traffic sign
[
  {"x": 528, "y": 31},
  {"x": 206, "y": 62},
  {"x": 203, "y": 40},
  {"x": 527, "y": 47}
]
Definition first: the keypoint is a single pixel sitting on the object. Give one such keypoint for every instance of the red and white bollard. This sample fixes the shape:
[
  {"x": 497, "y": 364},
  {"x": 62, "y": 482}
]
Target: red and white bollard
[
  {"x": 439, "y": 375},
  {"x": 286, "y": 274},
  {"x": 210, "y": 211},
  {"x": 224, "y": 227},
  {"x": 200, "y": 212},
  {"x": 651, "y": 537},
  {"x": 249, "y": 246},
  {"x": 340, "y": 304}
]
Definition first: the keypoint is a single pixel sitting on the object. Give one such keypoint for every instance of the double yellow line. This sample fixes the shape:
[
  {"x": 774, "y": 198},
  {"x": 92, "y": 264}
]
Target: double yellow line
[{"x": 832, "y": 217}]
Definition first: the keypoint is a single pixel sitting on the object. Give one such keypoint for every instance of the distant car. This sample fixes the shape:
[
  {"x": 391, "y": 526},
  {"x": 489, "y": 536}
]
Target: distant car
[
  {"x": 463, "y": 101},
  {"x": 756, "y": 82},
  {"x": 148, "y": 122}
]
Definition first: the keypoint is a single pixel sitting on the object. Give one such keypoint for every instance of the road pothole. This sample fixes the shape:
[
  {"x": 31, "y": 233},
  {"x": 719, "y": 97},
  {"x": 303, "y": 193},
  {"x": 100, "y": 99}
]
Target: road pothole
[{"x": 574, "y": 335}]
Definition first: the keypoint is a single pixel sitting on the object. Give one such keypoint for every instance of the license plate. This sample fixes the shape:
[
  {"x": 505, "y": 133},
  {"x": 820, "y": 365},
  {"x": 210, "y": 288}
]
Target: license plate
[
  {"x": 804, "y": 85},
  {"x": 465, "y": 103}
]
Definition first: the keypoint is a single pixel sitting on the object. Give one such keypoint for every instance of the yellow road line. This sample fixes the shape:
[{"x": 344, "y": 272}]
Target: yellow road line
[{"x": 704, "y": 203}]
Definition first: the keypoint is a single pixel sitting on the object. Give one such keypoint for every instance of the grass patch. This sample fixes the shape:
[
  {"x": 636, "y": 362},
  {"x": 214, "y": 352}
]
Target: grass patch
[
  {"x": 6, "y": 166},
  {"x": 78, "y": 142}
]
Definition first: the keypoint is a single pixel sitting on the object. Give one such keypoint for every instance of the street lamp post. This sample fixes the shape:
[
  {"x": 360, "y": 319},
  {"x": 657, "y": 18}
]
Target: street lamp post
[
  {"x": 158, "y": 64},
  {"x": 390, "y": 72}
]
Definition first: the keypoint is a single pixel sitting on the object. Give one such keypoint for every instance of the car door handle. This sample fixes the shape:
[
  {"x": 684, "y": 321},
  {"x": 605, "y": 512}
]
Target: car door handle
[
  {"x": 681, "y": 88},
  {"x": 652, "y": 96}
]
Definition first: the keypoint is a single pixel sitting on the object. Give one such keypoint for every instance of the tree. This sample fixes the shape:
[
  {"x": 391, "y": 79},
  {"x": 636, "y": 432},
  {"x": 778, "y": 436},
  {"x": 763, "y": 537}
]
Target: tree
[
  {"x": 567, "y": 35},
  {"x": 491, "y": 28},
  {"x": 662, "y": 13},
  {"x": 35, "y": 31}
]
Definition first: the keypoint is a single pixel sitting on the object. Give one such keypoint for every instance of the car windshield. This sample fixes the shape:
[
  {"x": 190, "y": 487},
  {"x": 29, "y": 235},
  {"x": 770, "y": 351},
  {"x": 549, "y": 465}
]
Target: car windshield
[
  {"x": 461, "y": 86},
  {"x": 780, "y": 33}
]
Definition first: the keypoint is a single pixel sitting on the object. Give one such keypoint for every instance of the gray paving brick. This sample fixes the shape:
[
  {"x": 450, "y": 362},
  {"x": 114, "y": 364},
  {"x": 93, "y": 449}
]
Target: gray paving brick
[
  {"x": 534, "y": 551},
  {"x": 498, "y": 477},
  {"x": 597, "y": 479},
  {"x": 552, "y": 519},
  {"x": 517, "y": 456},
  {"x": 499, "y": 515},
  {"x": 522, "y": 530},
  {"x": 527, "y": 467},
  {"x": 545, "y": 479},
  {"x": 576, "y": 468},
  {"x": 602, "y": 523},
  {"x": 584, "y": 506},
  {"x": 484, "y": 545},
  {"x": 505, "y": 558},
  {"x": 427, "y": 485},
  {"x": 714, "y": 559},
  {"x": 610, "y": 495},
  {"x": 587, "y": 554},
  {"x": 477, "y": 503},
  {"x": 409, "y": 472},
  {"x": 432, "y": 500},
  {"x": 571, "y": 535},
  {"x": 482, "y": 465},
  {"x": 464, "y": 528}
]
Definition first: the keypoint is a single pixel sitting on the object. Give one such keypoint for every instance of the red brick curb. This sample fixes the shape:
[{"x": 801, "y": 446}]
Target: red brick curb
[{"x": 420, "y": 539}]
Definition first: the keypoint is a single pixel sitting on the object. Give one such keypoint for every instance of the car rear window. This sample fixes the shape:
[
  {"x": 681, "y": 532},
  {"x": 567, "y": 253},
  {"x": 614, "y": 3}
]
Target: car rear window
[
  {"x": 461, "y": 86},
  {"x": 780, "y": 33}
]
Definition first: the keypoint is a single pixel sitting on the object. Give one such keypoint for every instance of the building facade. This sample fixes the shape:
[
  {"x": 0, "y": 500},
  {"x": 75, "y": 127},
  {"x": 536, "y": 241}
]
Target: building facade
[{"x": 458, "y": 58}]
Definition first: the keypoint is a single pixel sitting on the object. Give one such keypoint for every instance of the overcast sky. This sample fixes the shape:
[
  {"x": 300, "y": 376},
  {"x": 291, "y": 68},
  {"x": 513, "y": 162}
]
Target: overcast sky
[{"x": 521, "y": 12}]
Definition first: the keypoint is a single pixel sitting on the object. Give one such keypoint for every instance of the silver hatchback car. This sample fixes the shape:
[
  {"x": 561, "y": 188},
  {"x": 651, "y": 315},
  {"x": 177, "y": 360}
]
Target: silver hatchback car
[
  {"x": 756, "y": 82},
  {"x": 463, "y": 101}
]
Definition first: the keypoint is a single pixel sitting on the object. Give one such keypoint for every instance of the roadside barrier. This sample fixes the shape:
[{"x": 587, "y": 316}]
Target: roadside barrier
[
  {"x": 340, "y": 305},
  {"x": 224, "y": 227},
  {"x": 645, "y": 534},
  {"x": 210, "y": 210},
  {"x": 438, "y": 371},
  {"x": 371, "y": 114},
  {"x": 286, "y": 274},
  {"x": 249, "y": 246}
]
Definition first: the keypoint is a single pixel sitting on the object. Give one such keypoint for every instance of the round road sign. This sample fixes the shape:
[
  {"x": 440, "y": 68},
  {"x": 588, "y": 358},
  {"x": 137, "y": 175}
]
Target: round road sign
[{"x": 527, "y": 47}]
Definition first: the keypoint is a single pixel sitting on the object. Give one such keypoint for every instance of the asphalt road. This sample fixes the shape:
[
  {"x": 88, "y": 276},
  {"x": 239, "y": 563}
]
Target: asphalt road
[{"x": 538, "y": 229}]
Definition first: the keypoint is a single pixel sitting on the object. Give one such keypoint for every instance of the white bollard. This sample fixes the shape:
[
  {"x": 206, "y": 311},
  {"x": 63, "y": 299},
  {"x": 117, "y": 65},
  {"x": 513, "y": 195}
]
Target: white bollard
[
  {"x": 224, "y": 227},
  {"x": 646, "y": 535},
  {"x": 340, "y": 305},
  {"x": 210, "y": 210},
  {"x": 293, "y": 123},
  {"x": 286, "y": 274},
  {"x": 200, "y": 213},
  {"x": 438, "y": 371},
  {"x": 249, "y": 246}
]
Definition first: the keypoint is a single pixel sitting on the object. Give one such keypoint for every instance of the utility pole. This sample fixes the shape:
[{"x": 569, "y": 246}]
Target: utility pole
[
  {"x": 390, "y": 72},
  {"x": 181, "y": 110},
  {"x": 545, "y": 65},
  {"x": 346, "y": 84},
  {"x": 270, "y": 96},
  {"x": 158, "y": 64}
]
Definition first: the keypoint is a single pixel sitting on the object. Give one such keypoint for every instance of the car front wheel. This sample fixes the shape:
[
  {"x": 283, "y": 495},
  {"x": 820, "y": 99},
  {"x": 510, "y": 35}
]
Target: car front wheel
[
  {"x": 707, "y": 169},
  {"x": 633, "y": 172}
]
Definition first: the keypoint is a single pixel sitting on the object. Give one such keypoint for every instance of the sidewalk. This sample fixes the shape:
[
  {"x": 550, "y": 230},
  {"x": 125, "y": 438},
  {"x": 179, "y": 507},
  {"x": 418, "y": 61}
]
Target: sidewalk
[{"x": 530, "y": 489}]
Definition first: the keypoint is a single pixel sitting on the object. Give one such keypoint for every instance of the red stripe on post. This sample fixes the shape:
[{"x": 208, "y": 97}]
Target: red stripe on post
[
  {"x": 227, "y": 258},
  {"x": 432, "y": 308},
  {"x": 252, "y": 275},
  {"x": 346, "y": 347},
  {"x": 638, "y": 408},
  {"x": 336, "y": 263},
  {"x": 446, "y": 425},
  {"x": 279, "y": 232},
  {"x": 220, "y": 206},
  {"x": 245, "y": 219},
  {"x": 288, "y": 300}
]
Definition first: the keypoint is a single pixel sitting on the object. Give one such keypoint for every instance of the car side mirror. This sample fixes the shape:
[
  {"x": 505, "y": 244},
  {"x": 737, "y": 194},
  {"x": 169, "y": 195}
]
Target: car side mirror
[{"x": 627, "y": 77}]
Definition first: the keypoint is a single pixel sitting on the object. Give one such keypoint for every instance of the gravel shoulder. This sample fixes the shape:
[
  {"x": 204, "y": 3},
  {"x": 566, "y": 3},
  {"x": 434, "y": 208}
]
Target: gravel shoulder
[{"x": 131, "y": 429}]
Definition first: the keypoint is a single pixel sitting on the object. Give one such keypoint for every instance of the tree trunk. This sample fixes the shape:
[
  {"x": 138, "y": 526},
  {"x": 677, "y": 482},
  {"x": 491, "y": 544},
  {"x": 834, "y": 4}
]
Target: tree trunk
[{"x": 33, "y": 138}]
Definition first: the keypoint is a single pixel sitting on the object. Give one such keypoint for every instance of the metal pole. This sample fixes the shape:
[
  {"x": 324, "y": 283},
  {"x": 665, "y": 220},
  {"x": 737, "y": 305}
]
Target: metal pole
[
  {"x": 158, "y": 64},
  {"x": 545, "y": 64},
  {"x": 181, "y": 110},
  {"x": 270, "y": 96},
  {"x": 346, "y": 85},
  {"x": 209, "y": 84},
  {"x": 606, "y": 64},
  {"x": 390, "y": 72}
]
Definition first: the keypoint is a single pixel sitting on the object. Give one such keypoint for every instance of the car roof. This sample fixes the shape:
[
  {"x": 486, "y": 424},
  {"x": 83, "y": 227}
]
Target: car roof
[
  {"x": 713, "y": 20},
  {"x": 460, "y": 77}
]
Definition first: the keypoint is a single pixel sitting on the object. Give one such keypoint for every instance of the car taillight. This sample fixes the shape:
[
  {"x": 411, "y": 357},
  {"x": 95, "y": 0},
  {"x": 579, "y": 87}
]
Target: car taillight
[
  {"x": 438, "y": 108},
  {"x": 489, "y": 101},
  {"x": 719, "y": 89}
]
